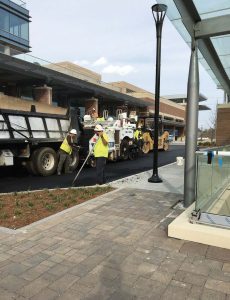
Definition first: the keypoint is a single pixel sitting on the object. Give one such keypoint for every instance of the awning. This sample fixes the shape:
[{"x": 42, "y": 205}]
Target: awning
[{"x": 209, "y": 22}]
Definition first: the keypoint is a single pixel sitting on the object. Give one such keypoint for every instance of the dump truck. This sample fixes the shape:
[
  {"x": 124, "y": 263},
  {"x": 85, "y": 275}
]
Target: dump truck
[{"x": 32, "y": 139}]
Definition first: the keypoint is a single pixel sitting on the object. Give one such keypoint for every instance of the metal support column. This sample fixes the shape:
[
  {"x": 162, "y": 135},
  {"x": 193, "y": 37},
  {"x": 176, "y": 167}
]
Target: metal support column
[{"x": 191, "y": 128}]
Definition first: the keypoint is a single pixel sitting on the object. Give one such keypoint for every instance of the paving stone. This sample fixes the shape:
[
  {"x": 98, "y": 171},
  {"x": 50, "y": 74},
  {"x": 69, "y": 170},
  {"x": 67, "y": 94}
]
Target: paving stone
[
  {"x": 35, "y": 260},
  {"x": 195, "y": 279},
  {"x": 197, "y": 269},
  {"x": 80, "y": 270},
  {"x": 195, "y": 293},
  {"x": 212, "y": 295},
  {"x": 63, "y": 283},
  {"x": 169, "y": 266},
  {"x": 194, "y": 249},
  {"x": 12, "y": 283},
  {"x": 7, "y": 295},
  {"x": 59, "y": 269},
  {"x": 144, "y": 287},
  {"x": 220, "y": 275},
  {"x": 220, "y": 254},
  {"x": 125, "y": 293},
  {"x": 80, "y": 289},
  {"x": 226, "y": 267},
  {"x": 175, "y": 293},
  {"x": 71, "y": 295},
  {"x": 162, "y": 277},
  {"x": 34, "y": 272},
  {"x": 34, "y": 287},
  {"x": 181, "y": 284},
  {"x": 45, "y": 294},
  {"x": 14, "y": 268},
  {"x": 217, "y": 285}
]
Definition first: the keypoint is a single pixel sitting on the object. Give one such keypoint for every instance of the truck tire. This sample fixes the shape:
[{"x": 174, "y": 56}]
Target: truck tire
[
  {"x": 124, "y": 147},
  {"x": 74, "y": 161},
  {"x": 133, "y": 153},
  {"x": 30, "y": 165},
  {"x": 45, "y": 161}
]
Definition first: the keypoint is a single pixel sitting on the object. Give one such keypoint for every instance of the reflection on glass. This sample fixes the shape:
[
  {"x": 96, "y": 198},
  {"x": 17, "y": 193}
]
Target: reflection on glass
[
  {"x": 212, "y": 181},
  {"x": 14, "y": 25},
  {"x": 4, "y": 20}
]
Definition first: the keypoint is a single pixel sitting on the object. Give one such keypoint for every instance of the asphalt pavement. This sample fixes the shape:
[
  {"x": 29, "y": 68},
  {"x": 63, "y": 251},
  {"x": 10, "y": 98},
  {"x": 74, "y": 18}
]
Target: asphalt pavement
[{"x": 14, "y": 180}]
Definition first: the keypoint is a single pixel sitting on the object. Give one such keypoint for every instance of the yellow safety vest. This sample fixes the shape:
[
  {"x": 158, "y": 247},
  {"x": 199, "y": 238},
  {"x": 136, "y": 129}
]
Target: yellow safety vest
[
  {"x": 100, "y": 150},
  {"x": 66, "y": 147},
  {"x": 102, "y": 119},
  {"x": 138, "y": 134}
]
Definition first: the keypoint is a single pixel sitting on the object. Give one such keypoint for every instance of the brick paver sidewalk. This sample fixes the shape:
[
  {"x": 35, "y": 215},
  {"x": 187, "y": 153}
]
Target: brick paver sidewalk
[{"x": 112, "y": 247}]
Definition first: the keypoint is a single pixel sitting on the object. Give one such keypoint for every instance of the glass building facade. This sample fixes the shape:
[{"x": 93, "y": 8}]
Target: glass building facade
[{"x": 14, "y": 28}]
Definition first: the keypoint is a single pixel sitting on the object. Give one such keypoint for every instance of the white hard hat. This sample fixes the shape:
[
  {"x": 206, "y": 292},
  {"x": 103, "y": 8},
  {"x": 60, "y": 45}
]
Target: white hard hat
[
  {"x": 73, "y": 131},
  {"x": 98, "y": 127}
]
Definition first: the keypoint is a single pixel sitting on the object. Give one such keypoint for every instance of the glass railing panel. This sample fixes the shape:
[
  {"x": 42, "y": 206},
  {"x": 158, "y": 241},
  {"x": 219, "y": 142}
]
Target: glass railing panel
[
  {"x": 19, "y": 2},
  {"x": 213, "y": 177},
  {"x": 203, "y": 182}
]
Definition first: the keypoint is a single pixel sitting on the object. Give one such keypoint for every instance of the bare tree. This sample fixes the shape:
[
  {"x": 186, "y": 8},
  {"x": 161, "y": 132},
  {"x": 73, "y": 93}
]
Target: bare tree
[{"x": 212, "y": 123}]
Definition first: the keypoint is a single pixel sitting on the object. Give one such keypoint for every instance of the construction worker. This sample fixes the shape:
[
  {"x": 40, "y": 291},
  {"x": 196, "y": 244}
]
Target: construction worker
[
  {"x": 65, "y": 151},
  {"x": 94, "y": 114},
  {"x": 101, "y": 151},
  {"x": 138, "y": 137}
]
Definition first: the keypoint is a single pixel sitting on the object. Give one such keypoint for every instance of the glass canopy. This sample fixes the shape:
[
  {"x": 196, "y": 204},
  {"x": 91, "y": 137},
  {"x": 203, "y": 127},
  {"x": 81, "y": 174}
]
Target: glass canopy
[{"x": 185, "y": 14}]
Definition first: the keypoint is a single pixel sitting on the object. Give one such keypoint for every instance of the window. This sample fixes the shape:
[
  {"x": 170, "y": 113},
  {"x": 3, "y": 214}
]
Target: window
[
  {"x": 13, "y": 24},
  {"x": 4, "y": 20}
]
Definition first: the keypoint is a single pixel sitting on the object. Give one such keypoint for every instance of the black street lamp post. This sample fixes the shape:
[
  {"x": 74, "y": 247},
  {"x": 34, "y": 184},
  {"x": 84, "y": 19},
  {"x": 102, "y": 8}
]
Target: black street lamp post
[{"x": 159, "y": 11}]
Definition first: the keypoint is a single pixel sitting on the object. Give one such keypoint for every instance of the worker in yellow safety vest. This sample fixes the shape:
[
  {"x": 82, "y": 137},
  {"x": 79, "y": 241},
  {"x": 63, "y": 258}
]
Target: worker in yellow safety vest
[
  {"x": 65, "y": 151},
  {"x": 101, "y": 151},
  {"x": 138, "y": 137}
]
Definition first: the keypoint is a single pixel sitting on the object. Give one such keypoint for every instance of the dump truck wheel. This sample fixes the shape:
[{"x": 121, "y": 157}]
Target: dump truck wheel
[
  {"x": 74, "y": 161},
  {"x": 124, "y": 149},
  {"x": 133, "y": 154},
  {"x": 31, "y": 168},
  {"x": 46, "y": 161},
  {"x": 166, "y": 146},
  {"x": 30, "y": 164},
  {"x": 146, "y": 147}
]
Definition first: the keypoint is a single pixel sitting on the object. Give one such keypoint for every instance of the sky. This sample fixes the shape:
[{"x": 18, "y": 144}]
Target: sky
[{"x": 116, "y": 38}]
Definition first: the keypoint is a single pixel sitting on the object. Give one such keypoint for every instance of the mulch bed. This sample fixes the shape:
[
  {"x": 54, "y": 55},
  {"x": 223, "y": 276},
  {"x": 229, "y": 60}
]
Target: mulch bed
[{"x": 20, "y": 209}]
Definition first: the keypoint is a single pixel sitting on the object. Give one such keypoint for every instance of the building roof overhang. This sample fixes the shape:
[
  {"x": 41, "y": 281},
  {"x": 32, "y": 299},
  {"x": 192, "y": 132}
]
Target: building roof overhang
[
  {"x": 14, "y": 71},
  {"x": 184, "y": 97},
  {"x": 209, "y": 23}
]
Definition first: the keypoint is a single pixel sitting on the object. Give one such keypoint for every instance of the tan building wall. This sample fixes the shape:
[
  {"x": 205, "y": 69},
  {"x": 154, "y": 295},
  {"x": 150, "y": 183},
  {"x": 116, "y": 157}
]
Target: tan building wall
[
  {"x": 74, "y": 70},
  {"x": 223, "y": 122},
  {"x": 8, "y": 102},
  {"x": 167, "y": 107}
]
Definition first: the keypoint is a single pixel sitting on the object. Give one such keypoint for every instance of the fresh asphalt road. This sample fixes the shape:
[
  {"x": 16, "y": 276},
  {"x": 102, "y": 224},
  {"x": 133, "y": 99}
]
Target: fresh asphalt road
[{"x": 14, "y": 180}]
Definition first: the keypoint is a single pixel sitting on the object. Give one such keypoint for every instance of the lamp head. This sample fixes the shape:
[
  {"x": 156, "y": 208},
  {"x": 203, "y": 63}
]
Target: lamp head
[
  {"x": 159, "y": 8},
  {"x": 159, "y": 11}
]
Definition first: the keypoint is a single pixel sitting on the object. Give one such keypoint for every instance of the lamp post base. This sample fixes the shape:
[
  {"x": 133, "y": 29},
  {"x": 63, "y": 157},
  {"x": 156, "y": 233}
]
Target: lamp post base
[{"x": 155, "y": 179}]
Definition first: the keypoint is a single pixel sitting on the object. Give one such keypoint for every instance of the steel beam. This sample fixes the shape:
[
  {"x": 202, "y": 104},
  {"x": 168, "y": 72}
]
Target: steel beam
[{"x": 212, "y": 27}]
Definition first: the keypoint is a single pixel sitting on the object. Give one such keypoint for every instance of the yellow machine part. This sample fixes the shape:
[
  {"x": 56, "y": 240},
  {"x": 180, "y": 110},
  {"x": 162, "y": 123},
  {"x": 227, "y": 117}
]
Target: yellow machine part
[{"x": 148, "y": 142}]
